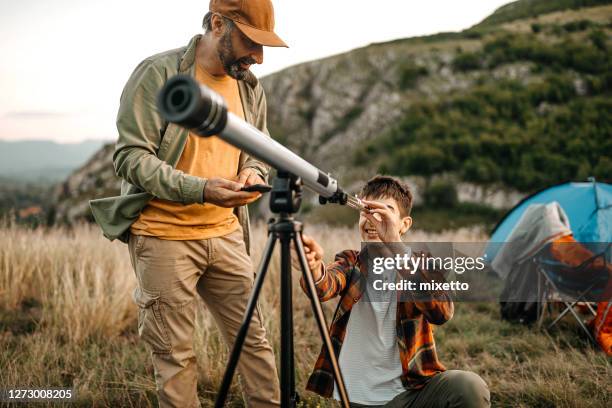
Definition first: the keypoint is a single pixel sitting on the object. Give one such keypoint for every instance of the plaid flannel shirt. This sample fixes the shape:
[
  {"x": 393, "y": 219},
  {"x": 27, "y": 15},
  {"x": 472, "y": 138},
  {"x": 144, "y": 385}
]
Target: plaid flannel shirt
[{"x": 345, "y": 278}]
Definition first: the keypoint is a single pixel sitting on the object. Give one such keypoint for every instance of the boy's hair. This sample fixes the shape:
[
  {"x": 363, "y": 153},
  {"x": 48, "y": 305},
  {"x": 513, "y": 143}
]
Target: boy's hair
[{"x": 389, "y": 187}]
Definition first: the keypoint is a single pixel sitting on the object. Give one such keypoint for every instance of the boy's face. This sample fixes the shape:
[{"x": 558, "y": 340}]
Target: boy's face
[{"x": 368, "y": 231}]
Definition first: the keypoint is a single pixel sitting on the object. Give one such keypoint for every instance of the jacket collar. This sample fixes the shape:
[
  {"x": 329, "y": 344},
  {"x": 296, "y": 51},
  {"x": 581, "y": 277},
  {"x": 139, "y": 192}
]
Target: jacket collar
[{"x": 187, "y": 62}]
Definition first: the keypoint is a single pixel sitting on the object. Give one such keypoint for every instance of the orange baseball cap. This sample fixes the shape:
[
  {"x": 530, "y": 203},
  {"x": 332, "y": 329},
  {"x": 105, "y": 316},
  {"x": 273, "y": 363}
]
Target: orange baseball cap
[{"x": 255, "y": 18}]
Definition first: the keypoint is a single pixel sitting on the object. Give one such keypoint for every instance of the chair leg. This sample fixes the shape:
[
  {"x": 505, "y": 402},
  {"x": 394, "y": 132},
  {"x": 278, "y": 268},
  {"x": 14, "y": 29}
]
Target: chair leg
[
  {"x": 542, "y": 304},
  {"x": 593, "y": 312},
  {"x": 539, "y": 302},
  {"x": 569, "y": 307},
  {"x": 581, "y": 323}
]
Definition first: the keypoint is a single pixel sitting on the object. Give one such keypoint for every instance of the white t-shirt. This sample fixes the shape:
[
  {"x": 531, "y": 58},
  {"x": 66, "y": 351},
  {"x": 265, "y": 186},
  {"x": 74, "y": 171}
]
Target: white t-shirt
[{"x": 369, "y": 357}]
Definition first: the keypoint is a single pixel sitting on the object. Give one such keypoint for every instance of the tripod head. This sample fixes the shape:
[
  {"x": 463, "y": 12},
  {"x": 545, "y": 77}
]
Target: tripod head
[{"x": 286, "y": 195}]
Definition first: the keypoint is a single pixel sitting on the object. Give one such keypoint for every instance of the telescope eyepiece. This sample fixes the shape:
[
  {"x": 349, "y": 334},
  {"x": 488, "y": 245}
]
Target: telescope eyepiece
[{"x": 182, "y": 100}]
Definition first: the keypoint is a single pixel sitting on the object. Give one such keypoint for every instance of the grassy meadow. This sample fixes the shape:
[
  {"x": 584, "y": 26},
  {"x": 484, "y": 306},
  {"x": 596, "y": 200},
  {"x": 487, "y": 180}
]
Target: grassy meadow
[{"x": 67, "y": 320}]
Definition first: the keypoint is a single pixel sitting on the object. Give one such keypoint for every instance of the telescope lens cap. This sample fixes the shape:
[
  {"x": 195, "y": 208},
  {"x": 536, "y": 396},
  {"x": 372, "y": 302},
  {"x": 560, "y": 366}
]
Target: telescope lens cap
[{"x": 178, "y": 99}]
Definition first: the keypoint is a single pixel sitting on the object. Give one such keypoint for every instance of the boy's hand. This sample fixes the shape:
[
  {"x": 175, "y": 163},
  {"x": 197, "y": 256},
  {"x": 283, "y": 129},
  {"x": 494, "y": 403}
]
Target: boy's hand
[
  {"x": 383, "y": 219},
  {"x": 314, "y": 257}
]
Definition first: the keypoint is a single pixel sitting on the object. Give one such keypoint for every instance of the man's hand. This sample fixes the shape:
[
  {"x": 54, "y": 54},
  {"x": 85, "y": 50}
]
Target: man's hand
[
  {"x": 226, "y": 193},
  {"x": 248, "y": 177},
  {"x": 314, "y": 257},
  {"x": 383, "y": 219}
]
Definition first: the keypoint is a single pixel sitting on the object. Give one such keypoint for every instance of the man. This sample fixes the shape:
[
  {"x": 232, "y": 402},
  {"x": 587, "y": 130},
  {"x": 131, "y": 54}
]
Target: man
[{"x": 182, "y": 209}]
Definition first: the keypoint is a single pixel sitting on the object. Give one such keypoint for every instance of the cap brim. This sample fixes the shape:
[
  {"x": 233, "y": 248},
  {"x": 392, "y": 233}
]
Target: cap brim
[{"x": 265, "y": 38}]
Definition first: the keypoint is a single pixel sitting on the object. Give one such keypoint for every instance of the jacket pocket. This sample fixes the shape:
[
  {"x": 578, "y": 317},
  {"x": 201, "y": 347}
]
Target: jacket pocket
[{"x": 152, "y": 327}]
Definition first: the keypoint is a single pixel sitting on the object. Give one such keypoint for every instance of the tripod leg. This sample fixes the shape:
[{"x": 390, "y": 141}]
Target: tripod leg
[
  {"x": 244, "y": 327},
  {"x": 320, "y": 318},
  {"x": 287, "y": 380}
]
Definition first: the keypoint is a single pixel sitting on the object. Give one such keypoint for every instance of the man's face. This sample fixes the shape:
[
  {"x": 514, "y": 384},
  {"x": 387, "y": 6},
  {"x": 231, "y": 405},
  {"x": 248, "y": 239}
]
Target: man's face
[
  {"x": 368, "y": 232},
  {"x": 238, "y": 53}
]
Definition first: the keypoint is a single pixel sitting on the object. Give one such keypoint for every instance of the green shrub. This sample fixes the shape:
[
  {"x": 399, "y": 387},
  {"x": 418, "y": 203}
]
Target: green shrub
[
  {"x": 481, "y": 170},
  {"x": 410, "y": 73},
  {"x": 582, "y": 57},
  {"x": 600, "y": 84},
  {"x": 468, "y": 61},
  {"x": 417, "y": 159},
  {"x": 474, "y": 33},
  {"x": 603, "y": 169},
  {"x": 441, "y": 194},
  {"x": 599, "y": 39},
  {"x": 577, "y": 25},
  {"x": 554, "y": 89}
]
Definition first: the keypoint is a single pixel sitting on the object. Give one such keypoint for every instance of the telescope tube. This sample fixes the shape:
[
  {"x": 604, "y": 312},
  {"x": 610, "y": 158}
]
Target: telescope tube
[{"x": 183, "y": 101}]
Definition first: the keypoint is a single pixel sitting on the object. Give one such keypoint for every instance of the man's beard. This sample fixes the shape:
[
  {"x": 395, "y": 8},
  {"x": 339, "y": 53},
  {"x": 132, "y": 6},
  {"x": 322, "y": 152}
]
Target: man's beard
[{"x": 231, "y": 65}]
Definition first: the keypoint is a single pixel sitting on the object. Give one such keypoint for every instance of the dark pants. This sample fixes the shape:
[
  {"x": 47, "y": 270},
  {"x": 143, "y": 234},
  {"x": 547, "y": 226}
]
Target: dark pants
[{"x": 450, "y": 389}]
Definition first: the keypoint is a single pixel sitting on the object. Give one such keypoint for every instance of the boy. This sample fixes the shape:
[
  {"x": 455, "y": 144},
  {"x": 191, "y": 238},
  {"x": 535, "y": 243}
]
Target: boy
[{"x": 386, "y": 350}]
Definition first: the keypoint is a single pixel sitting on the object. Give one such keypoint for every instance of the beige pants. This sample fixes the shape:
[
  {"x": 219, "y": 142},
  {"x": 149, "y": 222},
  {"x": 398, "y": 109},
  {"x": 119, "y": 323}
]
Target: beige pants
[{"x": 170, "y": 274}]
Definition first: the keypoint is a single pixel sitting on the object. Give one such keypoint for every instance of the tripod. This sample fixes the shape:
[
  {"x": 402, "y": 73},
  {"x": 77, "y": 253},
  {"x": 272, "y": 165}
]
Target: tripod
[{"x": 285, "y": 200}]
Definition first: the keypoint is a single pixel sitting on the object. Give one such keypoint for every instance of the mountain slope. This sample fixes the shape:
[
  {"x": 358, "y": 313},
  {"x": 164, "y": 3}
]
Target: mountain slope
[
  {"x": 503, "y": 107},
  {"x": 494, "y": 112},
  {"x": 533, "y": 8}
]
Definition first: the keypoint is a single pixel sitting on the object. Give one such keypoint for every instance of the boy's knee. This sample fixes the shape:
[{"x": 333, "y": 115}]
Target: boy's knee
[{"x": 468, "y": 389}]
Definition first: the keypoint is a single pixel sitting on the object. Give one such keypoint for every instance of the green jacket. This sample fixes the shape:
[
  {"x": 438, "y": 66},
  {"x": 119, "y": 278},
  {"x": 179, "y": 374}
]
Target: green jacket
[{"x": 149, "y": 148}]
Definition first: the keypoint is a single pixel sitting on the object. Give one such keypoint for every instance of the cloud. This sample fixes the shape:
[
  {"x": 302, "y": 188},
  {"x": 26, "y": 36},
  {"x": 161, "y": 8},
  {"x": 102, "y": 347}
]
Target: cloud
[{"x": 35, "y": 114}]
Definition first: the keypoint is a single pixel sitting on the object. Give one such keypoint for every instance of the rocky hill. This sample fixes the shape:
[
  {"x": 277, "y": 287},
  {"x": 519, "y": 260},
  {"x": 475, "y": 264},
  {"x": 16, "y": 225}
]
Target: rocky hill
[
  {"x": 94, "y": 179},
  {"x": 508, "y": 106},
  {"x": 401, "y": 106}
]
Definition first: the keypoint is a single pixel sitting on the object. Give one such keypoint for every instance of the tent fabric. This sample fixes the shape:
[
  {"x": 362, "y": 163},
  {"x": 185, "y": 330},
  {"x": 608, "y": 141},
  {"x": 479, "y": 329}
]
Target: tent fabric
[
  {"x": 588, "y": 206},
  {"x": 598, "y": 227},
  {"x": 539, "y": 225}
]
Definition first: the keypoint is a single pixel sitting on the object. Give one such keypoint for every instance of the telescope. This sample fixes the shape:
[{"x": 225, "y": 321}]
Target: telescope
[{"x": 185, "y": 102}]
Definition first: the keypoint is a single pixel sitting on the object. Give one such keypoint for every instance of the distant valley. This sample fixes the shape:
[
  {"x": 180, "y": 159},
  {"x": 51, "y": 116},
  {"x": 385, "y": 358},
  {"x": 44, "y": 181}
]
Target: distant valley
[{"x": 43, "y": 161}]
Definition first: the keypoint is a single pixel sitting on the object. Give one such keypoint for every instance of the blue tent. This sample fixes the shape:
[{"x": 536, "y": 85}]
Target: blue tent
[{"x": 588, "y": 206}]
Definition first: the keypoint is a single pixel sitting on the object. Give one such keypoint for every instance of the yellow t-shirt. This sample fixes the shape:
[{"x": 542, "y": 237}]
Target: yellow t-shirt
[{"x": 205, "y": 157}]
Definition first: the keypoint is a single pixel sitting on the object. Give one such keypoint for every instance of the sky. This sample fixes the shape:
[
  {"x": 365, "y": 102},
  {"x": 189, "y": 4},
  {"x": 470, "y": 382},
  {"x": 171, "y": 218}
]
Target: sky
[{"x": 65, "y": 62}]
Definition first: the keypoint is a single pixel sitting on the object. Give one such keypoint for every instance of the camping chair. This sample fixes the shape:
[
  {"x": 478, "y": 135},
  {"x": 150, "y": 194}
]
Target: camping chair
[{"x": 570, "y": 285}]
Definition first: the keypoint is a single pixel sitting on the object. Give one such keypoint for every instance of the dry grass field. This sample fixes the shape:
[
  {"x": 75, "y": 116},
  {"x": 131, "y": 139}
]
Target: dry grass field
[{"x": 67, "y": 320}]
